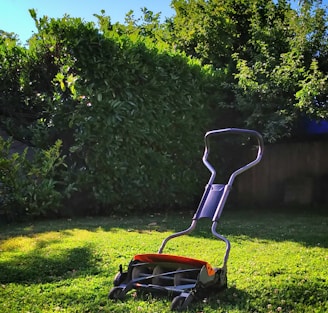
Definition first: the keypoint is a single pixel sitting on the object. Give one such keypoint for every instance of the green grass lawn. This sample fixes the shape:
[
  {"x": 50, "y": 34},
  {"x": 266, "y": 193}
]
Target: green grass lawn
[{"x": 278, "y": 262}]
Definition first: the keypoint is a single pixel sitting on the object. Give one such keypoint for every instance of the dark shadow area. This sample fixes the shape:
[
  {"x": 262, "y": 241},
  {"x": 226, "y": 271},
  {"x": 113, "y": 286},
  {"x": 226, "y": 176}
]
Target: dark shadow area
[
  {"x": 287, "y": 296},
  {"x": 231, "y": 297},
  {"x": 35, "y": 267},
  {"x": 306, "y": 228}
]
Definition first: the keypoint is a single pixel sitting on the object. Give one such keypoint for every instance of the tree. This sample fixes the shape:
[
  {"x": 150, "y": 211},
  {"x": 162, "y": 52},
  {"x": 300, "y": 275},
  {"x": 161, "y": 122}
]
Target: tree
[
  {"x": 12, "y": 62},
  {"x": 273, "y": 58}
]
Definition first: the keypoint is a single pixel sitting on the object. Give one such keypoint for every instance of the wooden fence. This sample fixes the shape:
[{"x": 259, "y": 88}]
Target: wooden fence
[{"x": 289, "y": 173}]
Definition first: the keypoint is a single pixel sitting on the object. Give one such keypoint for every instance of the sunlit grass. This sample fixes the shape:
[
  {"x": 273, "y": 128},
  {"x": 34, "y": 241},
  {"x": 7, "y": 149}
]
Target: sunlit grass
[{"x": 278, "y": 263}]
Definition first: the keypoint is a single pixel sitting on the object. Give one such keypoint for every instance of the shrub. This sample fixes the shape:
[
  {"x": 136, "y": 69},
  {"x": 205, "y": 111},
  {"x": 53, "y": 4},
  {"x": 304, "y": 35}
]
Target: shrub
[
  {"x": 131, "y": 117},
  {"x": 30, "y": 187}
]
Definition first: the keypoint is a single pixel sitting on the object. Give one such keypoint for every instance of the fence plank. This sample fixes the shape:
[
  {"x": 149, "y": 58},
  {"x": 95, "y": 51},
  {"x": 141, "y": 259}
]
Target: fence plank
[{"x": 289, "y": 172}]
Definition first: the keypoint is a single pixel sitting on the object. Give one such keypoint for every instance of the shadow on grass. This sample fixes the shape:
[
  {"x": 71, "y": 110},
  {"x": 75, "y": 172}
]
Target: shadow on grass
[
  {"x": 286, "y": 298},
  {"x": 304, "y": 228},
  {"x": 35, "y": 267},
  {"x": 294, "y": 296},
  {"x": 224, "y": 299}
]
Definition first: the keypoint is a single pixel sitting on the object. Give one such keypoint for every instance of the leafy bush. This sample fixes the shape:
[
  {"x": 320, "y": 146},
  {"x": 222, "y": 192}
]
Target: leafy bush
[
  {"x": 29, "y": 187},
  {"x": 131, "y": 117}
]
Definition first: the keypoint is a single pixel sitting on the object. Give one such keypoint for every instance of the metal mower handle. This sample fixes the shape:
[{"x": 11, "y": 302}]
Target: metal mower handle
[
  {"x": 223, "y": 197},
  {"x": 239, "y": 131}
]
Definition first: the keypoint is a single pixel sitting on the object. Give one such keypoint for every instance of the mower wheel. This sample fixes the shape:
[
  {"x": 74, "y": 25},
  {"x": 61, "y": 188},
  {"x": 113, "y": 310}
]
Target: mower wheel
[
  {"x": 116, "y": 293},
  {"x": 177, "y": 303},
  {"x": 119, "y": 278},
  {"x": 223, "y": 280}
]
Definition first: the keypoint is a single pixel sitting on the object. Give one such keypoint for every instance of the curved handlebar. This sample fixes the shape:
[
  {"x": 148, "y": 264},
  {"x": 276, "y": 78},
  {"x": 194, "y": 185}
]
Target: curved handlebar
[
  {"x": 212, "y": 208},
  {"x": 239, "y": 131}
]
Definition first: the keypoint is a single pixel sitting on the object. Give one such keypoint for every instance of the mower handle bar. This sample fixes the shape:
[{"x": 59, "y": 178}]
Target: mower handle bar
[
  {"x": 226, "y": 189},
  {"x": 237, "y": 131}
]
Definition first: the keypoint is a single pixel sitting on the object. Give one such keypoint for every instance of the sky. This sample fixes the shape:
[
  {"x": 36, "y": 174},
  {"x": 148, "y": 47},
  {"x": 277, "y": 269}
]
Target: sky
[{"x": 15, "y": 17}]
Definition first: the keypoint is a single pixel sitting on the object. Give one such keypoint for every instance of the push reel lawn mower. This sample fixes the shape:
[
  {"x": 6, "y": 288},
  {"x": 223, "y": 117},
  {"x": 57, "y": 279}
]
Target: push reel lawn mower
[{"x": 183, "y": 278}]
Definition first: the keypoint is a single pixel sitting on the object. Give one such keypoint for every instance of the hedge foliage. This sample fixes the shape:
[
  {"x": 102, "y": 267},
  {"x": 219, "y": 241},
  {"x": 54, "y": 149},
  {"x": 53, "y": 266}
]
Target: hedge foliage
[{"x": 130, "y": 117}]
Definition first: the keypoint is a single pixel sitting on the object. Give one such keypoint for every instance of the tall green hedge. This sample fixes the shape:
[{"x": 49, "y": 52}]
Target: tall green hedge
[{"x": 131, "y": 117}]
